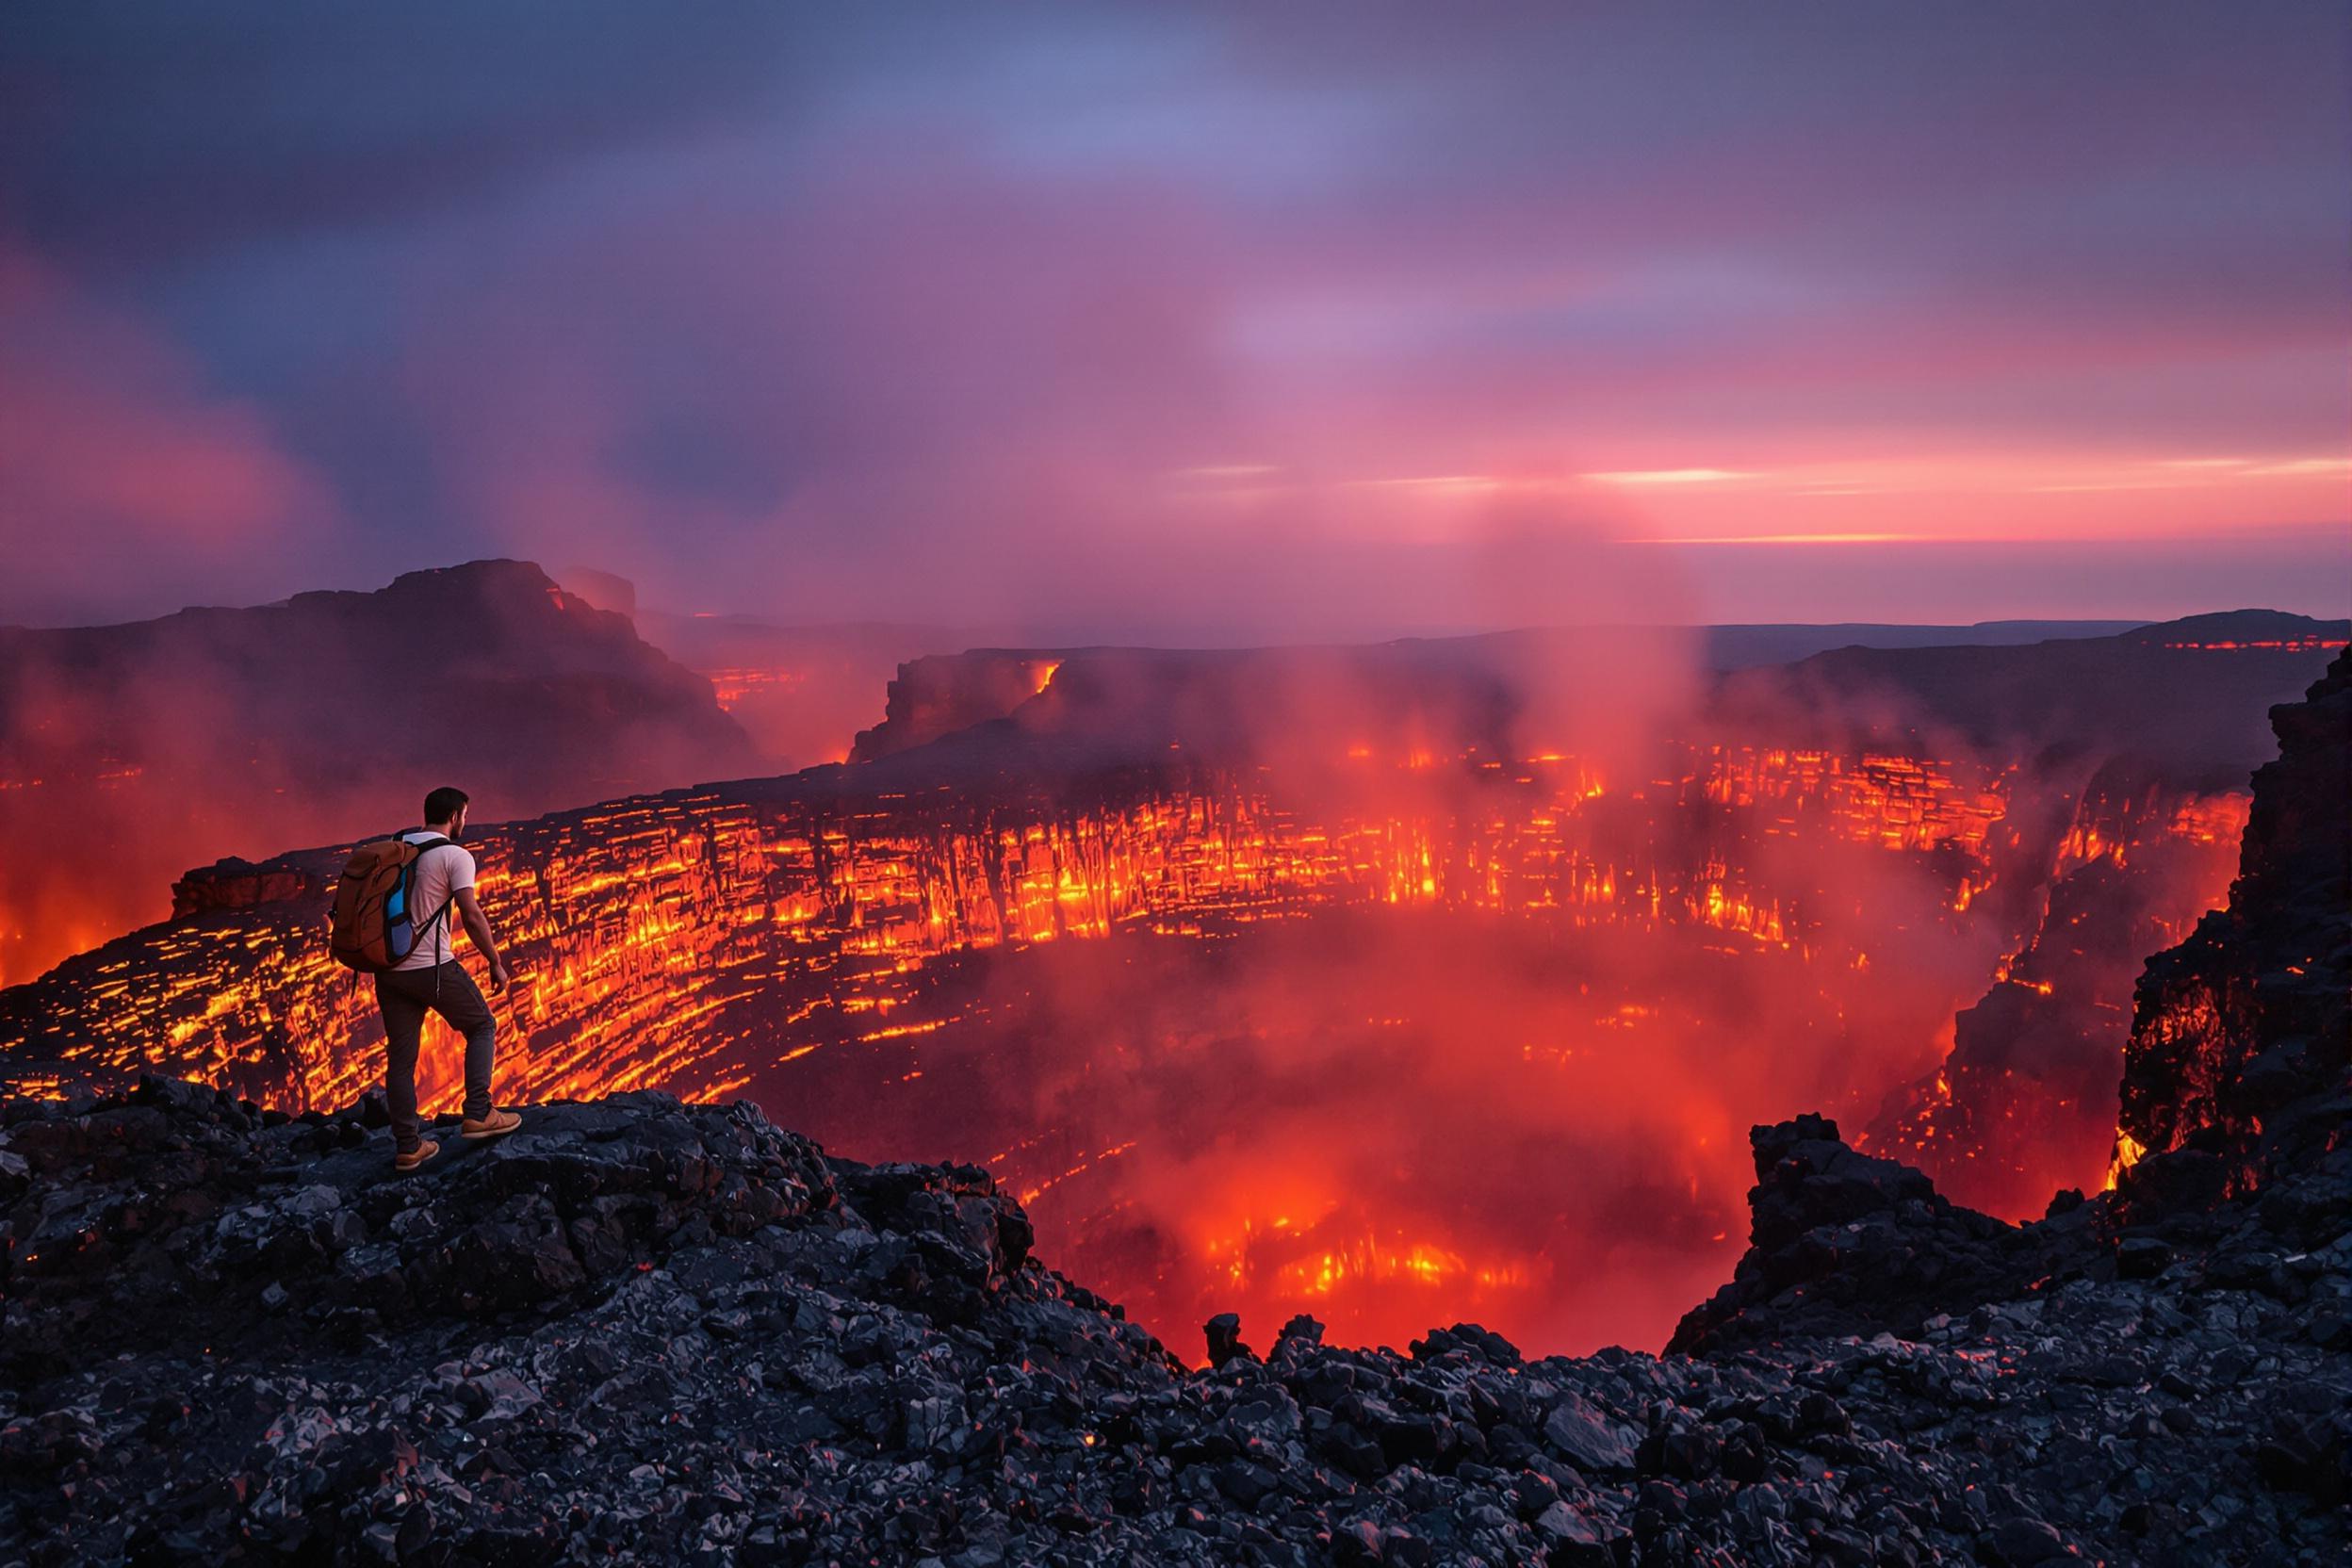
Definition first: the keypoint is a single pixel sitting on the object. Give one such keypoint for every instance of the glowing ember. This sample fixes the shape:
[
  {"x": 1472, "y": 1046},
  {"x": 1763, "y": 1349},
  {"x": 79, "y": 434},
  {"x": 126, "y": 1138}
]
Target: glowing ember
[{"x": 2128, "y": 1152}]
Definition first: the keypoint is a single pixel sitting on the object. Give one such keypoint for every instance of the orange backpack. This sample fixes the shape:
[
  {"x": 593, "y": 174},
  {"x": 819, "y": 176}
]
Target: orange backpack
[{"x": 374, "y": 925}]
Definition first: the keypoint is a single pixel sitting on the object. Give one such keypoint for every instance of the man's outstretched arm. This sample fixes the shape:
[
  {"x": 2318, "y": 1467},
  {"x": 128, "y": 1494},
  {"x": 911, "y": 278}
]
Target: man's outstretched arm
[{"x": 478, "y": 927}]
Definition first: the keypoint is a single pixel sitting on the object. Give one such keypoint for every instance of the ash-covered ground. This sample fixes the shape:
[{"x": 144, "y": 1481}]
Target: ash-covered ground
[{"x": 645, "y": 1332}]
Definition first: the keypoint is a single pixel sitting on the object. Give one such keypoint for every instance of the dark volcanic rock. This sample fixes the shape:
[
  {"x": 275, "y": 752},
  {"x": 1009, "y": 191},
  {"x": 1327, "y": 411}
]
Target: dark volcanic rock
[
  {"x": 673, "y": 1334},
  {"x": 1845, "y": 1243},
  {"x": 2241, "y": 1050}
]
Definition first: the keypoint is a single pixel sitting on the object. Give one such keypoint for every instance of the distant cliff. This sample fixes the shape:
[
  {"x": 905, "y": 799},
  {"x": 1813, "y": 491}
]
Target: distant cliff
[
  {"x": 2184, "y": 697},
  {"x": 130, "y": 752}
]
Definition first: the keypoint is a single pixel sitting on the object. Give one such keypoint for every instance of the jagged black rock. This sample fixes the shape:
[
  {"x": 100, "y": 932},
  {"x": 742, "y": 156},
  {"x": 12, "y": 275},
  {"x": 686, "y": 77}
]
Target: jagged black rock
[{"x": 670, "y": 1333}]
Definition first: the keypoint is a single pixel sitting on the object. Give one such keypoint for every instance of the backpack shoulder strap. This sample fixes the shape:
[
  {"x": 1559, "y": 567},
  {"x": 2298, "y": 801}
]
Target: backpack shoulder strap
[{"x": 440, "y": 916}]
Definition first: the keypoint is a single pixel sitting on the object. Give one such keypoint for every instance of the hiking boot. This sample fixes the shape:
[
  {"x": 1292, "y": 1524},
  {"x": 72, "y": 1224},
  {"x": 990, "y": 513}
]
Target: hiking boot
[
  {"x": 495, "y": 1125},
  {"x": 409, "y": 1159}
]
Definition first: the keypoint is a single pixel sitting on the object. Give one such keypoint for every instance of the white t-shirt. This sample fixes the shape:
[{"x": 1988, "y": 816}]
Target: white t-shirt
[{"x": 441, "y": 872}]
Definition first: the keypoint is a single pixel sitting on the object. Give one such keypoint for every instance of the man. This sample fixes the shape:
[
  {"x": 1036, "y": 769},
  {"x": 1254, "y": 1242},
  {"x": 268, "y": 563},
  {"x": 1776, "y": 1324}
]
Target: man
[{"x": 432, "y": 980}]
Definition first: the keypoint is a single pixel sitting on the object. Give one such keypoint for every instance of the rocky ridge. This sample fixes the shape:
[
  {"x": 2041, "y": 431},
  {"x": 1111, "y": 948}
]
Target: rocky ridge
[{"x": 647, "y": 1331}]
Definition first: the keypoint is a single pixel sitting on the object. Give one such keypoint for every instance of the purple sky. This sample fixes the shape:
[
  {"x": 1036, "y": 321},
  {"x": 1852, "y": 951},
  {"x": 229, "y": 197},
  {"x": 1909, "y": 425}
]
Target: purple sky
[{"x": 1184, "y": 322}]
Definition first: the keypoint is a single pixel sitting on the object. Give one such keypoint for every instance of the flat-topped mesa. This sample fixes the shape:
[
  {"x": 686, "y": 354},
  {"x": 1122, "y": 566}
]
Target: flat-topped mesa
[
  {"x": 940, "y": 694},
  {"x": 2243, "y": 631},
  {"x": 2239, "y": 1068}
]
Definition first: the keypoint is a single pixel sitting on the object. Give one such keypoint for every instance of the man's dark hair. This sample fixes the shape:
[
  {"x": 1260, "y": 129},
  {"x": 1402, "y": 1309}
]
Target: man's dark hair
[{"x": 443, "y": 802}]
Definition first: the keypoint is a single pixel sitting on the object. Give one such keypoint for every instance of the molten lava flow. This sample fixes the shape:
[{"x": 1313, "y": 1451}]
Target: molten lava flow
[
  {"x": 735, "y": 687},
  {"x": 38, "y": 1086},
  {"x": 2128, "y": 1152}
]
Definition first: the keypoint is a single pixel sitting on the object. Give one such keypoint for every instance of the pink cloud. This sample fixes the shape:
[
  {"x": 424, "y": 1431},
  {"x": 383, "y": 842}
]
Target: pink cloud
[{"x": 115, "y": 457}]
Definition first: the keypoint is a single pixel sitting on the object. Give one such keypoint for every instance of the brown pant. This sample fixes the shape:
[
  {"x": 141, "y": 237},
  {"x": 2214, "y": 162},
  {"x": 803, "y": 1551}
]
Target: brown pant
[{"x": 406, "y": 995}]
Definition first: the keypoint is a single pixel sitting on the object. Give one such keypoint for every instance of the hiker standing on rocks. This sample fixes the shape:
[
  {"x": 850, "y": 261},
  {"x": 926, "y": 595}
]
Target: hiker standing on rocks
[{"x": 408, "y": 946}]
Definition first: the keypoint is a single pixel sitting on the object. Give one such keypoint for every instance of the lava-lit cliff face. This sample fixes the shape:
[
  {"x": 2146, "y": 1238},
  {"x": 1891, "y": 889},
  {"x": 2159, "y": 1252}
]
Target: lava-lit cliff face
[
  {"x": 639, "y": 926},
  {"x": 129, "y": 752},
  {"x": 1329, "y": 1001},
  {"x": 2242, "y": 1037},
  {"x": 626, "y": 914},
  {"x": 2021, "y": 1106}
]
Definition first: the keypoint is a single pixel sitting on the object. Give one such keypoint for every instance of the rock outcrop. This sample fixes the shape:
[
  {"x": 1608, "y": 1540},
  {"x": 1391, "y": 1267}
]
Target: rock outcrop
[
  {"x": 2240, "y": 1065},
  {"x": 1845, "y": 1243}
]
